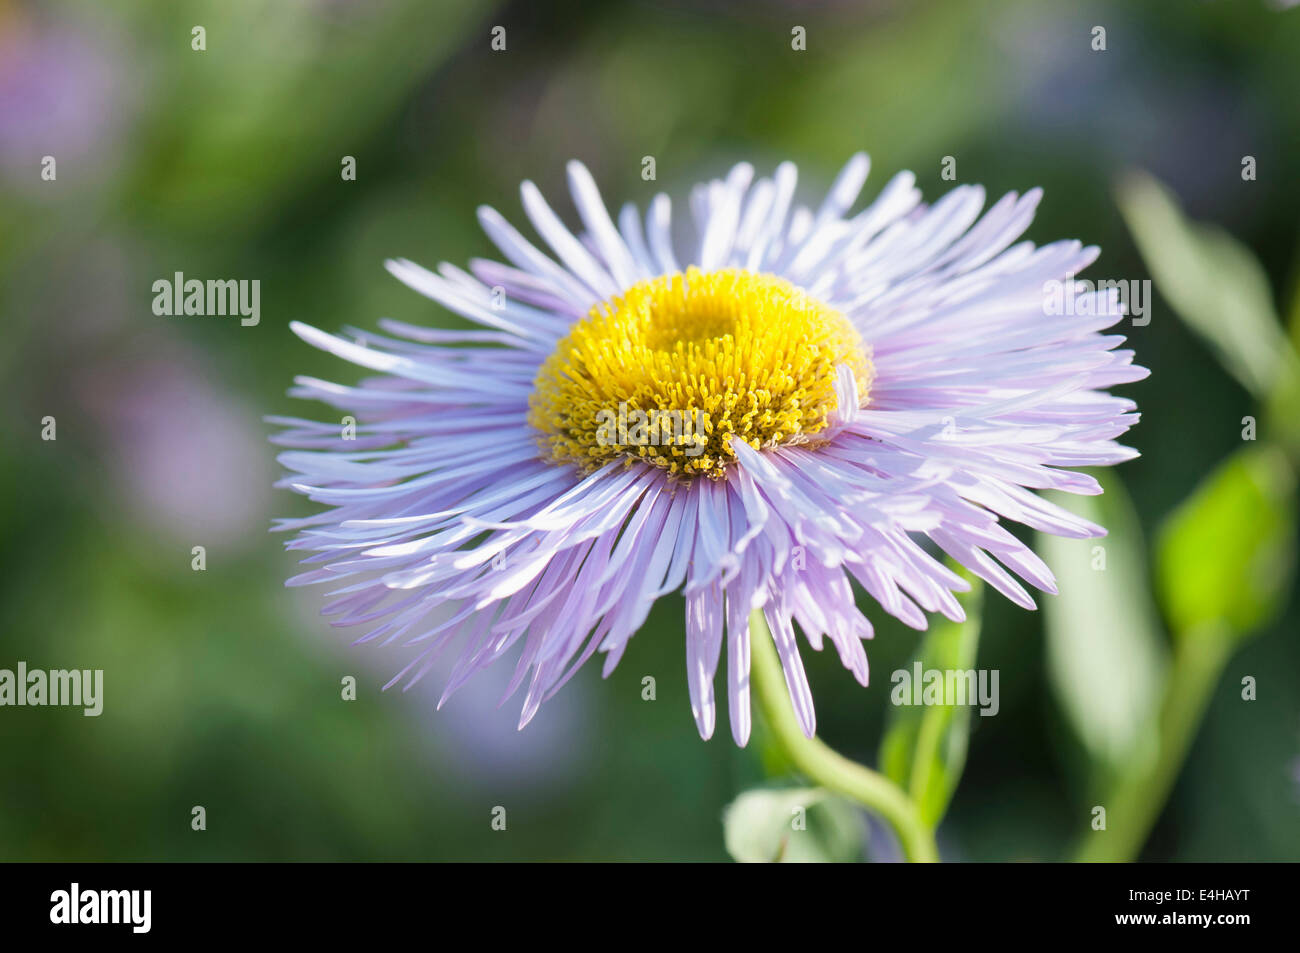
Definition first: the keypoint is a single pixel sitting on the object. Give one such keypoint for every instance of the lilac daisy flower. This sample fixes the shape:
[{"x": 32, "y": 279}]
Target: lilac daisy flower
[{"x": 800, "y": 398}]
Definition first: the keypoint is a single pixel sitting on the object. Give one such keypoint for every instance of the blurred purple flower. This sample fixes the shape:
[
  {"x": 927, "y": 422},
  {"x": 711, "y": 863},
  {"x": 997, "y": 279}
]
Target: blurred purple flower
[
  {"x": 62, "y": 93},
  {"x": 184, "y": 455}
]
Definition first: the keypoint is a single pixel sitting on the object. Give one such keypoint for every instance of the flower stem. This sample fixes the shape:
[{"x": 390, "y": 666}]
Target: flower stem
[
  {"x": 822, "y": 764},
  {"x": 1136, "y": 799}
]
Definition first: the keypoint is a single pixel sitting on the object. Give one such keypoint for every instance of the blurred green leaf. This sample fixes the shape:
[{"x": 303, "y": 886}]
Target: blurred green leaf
[
  {"x": 1212, "y": 281},
  {"x": 792, "y": 825},
  {"x": 924, "y": 746},
  {"x": 1225, "y": 556},
  {"x": 1106, "y": 653},
  {"x": 311, "y": 84},
  {"x": 1293, "y": 315}
]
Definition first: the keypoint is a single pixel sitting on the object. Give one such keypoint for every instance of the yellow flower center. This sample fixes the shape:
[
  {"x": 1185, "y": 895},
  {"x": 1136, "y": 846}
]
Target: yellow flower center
[{"x": 678, "y": 367}]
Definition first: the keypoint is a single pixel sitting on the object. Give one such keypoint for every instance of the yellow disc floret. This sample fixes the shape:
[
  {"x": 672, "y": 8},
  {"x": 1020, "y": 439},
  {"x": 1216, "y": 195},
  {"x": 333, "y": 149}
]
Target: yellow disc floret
[{"x": 678, "y": 367}]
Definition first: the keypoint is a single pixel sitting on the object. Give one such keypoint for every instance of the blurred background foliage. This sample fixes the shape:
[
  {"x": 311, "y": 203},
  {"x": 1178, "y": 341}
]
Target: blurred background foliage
[{"x": 222, "y": 688}]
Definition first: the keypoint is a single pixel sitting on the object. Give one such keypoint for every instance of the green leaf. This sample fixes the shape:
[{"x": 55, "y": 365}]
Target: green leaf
[
  {"x": 1225, "y": 556},
  {"x": 924, "y": 746},
  {"x": 792, "y": 825},
  {"x": 1293, "y": 316},
  {"x": 1106, "y": 651},
  {"x": 1212, "y": 281}
]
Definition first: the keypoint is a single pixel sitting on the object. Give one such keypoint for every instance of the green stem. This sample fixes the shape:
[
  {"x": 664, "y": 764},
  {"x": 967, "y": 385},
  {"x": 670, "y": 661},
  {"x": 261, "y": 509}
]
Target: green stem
[
  {"x": 928, "y": 738},
  {"x": 822, "y": 764},
  {"x": 1137, "y": 797},
  {"x": 957, "y": 644}
]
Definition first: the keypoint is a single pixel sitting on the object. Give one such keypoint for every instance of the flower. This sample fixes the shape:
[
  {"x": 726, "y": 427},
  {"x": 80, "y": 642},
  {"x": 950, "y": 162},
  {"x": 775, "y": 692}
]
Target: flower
[{"x": 804, "y": 398}]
